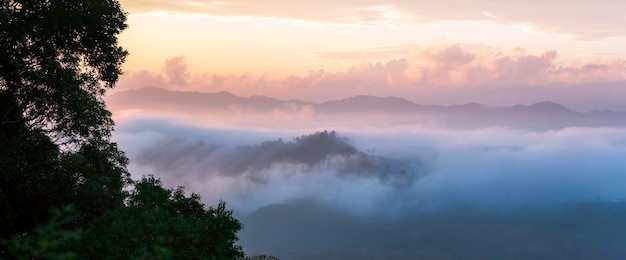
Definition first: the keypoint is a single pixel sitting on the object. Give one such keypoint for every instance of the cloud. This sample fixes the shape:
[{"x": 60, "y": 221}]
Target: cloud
[
  {"x": 489, "y": 168},
  {"x": 175, "y": 71},
  {"x": 444, "y": 73},
  {"x": 321, "y": 151},
  {"x": 397, "y": 191},
  {"x": 375, "y": 53},
  {"x": 324, "y": 10},
  {"x": 138, "y": 79},
  {"x": 581, "y": 19}
]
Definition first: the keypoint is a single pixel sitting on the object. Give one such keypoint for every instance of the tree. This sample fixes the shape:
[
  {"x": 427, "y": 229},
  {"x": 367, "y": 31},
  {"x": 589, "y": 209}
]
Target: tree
[
  {"x": 58, "y": 59},
  {"x": 157, "y": 223},
  {"x": 52, "y": 240},
  {"x": 160, "y": 223}
]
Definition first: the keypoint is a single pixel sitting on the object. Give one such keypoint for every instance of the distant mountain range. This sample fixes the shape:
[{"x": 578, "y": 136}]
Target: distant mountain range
[{"x": 539, "y": 116}]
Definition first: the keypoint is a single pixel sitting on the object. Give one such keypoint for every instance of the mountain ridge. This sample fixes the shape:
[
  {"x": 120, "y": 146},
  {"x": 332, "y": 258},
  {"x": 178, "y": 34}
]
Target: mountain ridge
[
  {"x": 358, "y": 103},
  {"x": 541, "y": 116}
]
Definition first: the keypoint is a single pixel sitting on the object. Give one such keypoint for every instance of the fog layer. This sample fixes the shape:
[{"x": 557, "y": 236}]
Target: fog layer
[{"x": 414, "y": 191}]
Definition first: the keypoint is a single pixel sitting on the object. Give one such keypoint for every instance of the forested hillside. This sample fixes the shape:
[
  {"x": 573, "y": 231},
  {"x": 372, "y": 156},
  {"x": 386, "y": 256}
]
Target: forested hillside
[{"x": 65, "y": 192}]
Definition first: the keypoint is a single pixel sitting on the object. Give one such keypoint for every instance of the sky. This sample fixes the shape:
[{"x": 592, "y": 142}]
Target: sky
[
  {"x": 444, "y": 52},
  {"x": 387, "y": 183}
]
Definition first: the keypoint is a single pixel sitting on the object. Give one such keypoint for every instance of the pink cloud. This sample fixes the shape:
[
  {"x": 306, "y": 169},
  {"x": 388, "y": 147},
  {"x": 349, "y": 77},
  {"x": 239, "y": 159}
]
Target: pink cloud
[
  {"x": 447, "y": 73},
  {"x": 175, "y": 71},
  {"x": 139, "y": 79},
  {"x": 578, "y": 18}
]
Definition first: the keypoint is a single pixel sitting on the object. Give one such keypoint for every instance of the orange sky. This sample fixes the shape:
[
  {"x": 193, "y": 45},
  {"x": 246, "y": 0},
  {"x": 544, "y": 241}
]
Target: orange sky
[{"x": 326, "y": 49}]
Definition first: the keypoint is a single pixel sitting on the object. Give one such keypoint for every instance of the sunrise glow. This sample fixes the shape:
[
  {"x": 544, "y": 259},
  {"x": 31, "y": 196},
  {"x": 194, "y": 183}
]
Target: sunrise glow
[{"x": 378, "y": 129}]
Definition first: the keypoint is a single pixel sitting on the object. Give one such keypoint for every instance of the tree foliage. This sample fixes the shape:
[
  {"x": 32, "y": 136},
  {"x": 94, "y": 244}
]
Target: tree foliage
[
  {"x": 157, "y": 223},
  {"x": 58, "y": 58},
  {"x": 52, "y": 240},
  {"x": 162, "y": 222}
]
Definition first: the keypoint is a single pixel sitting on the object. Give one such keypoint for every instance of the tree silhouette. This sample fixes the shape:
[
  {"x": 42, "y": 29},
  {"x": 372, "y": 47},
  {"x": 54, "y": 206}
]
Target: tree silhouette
[
  {"x": 58, "y": 58},
  {"x": 163, "y": 223}
]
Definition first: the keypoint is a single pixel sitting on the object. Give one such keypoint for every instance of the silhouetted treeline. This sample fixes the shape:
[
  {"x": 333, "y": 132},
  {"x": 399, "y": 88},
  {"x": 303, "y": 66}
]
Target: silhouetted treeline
[{"x": 65, "y": 192}]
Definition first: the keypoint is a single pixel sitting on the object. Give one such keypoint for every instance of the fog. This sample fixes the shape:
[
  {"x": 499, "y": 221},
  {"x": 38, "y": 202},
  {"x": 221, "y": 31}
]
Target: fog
[{"x": 399, "y": 191}]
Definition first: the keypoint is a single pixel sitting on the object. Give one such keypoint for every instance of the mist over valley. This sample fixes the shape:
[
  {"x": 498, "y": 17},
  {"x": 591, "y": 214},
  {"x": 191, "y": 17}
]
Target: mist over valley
[
  {"x": 295, "y": 130},
  {"x": 371, "y": 178}
]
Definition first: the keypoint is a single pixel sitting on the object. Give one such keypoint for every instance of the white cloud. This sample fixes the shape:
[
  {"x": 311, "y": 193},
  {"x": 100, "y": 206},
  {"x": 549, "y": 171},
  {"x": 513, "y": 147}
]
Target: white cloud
[{"x": 490, "y": 168}]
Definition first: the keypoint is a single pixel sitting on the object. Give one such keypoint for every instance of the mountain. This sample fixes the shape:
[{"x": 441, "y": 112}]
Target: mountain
[
  {"x": 537, "y": 109},
  {"x": 539, "y": 116},
  {"x": 369, "y": 104},
  {"x": 585, "y": 230},
  {"x": 158, "y": 98},
  {"x": 308, "y": 153}
]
